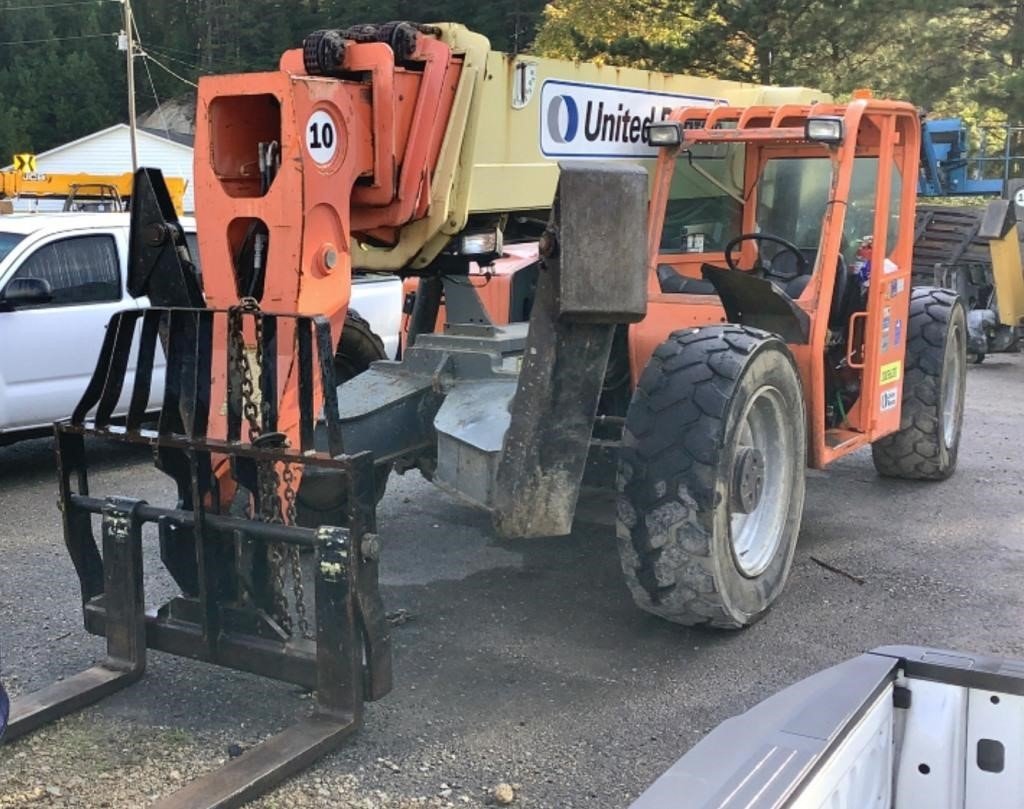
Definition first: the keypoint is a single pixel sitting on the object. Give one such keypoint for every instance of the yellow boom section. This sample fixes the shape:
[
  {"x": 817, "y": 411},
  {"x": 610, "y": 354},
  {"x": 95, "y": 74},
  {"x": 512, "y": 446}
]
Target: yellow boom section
[
  {"x": 39, "y": 186},
  {"x": 515, "y": 117}
]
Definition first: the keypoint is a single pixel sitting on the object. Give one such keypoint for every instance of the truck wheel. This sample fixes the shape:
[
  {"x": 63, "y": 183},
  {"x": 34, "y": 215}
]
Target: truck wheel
[
  {"x": 359, "y": 347},
  {"x": 321, "y": 498},
  {"x": 925, "y": 447},
  {"x": 711, "y": 477}
]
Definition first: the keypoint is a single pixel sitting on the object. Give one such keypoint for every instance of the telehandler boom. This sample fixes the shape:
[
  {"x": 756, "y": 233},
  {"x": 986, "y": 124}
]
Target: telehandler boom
[{"x": 756, "y": 317}]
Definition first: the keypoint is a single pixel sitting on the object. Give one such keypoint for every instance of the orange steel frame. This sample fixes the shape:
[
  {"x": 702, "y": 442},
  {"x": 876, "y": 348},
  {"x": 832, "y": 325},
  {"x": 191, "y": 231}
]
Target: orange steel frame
[
  {"x": 887, "y": 130},
  {"x": 389, "y": 131}
]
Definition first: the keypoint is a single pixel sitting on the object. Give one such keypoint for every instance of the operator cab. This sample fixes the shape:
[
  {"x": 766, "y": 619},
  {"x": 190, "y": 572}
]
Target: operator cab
[
  {"x": 756, "y": 222},
  {"x": 790, "y": 199}
]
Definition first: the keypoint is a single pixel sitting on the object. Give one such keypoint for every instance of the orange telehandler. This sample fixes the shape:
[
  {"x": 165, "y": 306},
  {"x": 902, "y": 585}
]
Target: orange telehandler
[{"x": 701, "y": 350}]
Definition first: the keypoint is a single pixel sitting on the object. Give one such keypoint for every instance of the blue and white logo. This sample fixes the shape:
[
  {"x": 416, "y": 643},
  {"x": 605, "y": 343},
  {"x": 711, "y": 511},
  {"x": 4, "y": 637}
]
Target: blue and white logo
[
  {"x": 597, "y": 120},
  {"x": 563, "y": 119}
]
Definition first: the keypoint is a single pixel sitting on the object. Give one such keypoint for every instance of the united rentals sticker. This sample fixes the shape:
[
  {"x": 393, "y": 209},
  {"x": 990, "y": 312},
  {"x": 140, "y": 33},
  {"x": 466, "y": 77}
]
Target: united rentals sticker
[{"x": 596, "y": 120}]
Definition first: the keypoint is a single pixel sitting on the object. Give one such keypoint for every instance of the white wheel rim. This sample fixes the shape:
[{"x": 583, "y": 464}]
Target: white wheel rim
[
  {"x": 756, "y": 534},
  {"x": 952, "y": 392}
]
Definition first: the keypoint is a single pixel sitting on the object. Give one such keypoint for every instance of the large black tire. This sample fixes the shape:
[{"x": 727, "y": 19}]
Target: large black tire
[
  {"x": 359, "y": 347},
  {"x": 926, "y": 445},
  {"x": 321, "y": 498},
  {"x": 685, "y": 468}
]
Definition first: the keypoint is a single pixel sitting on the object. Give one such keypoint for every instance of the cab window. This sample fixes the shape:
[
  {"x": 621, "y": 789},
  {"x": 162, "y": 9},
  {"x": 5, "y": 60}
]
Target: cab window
[
  {"x": 793, "y": 193},
  {"x": 791, "y": 198},
  {"x": 8, "y": 241},
  {"x": 704, "y": 211},
  {"x": 81, "y": 269}
]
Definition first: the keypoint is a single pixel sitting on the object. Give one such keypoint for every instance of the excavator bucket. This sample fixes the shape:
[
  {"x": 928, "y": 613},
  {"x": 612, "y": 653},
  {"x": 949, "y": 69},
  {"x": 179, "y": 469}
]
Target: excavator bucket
[{"x": 232, "y": 541}]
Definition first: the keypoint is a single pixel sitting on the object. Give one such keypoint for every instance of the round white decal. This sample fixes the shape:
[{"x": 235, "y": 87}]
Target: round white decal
[
  {"x": 1019, "y": 197},
  {"x": 321, "y": 137}
]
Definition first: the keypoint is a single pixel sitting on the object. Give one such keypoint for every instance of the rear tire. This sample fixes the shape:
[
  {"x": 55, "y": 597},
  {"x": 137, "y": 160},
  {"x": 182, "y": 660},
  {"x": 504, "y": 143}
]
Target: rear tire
[
  {"x": 358, "y": 348},
  {"x": 321, "y": 498},
  {"x": 927, "y": 443},
  {"x": 711, "y": 477}
]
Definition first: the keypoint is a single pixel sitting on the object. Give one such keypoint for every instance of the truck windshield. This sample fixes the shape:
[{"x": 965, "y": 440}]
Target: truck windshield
[
  {"x": 701, "y": 216},
  {"x": 8, "y": 242}
]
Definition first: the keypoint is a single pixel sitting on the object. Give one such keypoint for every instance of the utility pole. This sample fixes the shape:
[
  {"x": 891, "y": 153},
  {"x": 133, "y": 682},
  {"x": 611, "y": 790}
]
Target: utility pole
[{"x": 126, "y": 42}]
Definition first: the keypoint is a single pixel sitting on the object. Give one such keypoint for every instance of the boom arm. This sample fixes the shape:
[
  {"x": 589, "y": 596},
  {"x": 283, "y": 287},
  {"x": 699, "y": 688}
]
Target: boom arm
[{"x": 14, "y": 184}]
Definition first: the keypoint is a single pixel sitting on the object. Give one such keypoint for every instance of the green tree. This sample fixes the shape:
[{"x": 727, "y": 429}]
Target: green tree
[{"x": 829, "y": 44}]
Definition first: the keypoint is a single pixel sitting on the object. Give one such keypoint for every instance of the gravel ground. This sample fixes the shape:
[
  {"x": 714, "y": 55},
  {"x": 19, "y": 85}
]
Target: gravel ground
[{"x": 523, "y": 663}]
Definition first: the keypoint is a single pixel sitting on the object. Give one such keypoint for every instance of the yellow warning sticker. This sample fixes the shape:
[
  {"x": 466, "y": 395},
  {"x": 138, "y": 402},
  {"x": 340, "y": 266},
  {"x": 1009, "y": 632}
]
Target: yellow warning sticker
[
  {"x": 25, "y": 163},
  {"x": 890, "y": 372}
]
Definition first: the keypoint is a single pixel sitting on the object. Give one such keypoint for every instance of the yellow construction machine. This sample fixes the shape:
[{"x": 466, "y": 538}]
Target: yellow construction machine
[
  {"x": 82, "y": 192},
  {"x": 976, "y": 250}
]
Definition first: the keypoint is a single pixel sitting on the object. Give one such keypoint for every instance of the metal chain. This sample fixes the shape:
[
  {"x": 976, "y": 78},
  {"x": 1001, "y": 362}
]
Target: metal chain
[
  {"x": 296, "y": 559},
  {"x": 267, "y": 479},
  {"x": 269, "y": 485},
  {"x": 270, "y": 511},
  {"x": 250, "y": 373}
]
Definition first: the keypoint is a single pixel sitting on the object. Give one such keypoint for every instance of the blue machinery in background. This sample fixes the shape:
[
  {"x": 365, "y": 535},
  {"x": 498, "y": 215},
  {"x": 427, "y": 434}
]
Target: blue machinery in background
[{"x": 950, "y": 168}]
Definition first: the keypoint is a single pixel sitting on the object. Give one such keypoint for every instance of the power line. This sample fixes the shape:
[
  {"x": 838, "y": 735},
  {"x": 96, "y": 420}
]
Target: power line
[
  {"x": 161, "y": 51},
  {"x": 57, "y": 5},
  {"x": 149, "y": 74},
  {"x": 56, "y": 39},
  {"x": 168, "y": 70}
]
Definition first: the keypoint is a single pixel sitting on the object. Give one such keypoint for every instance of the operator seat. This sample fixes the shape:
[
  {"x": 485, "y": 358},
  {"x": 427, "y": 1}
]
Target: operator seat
[
  {"x": 672, "y": 282},
  {"x": 784, "y": 264}
]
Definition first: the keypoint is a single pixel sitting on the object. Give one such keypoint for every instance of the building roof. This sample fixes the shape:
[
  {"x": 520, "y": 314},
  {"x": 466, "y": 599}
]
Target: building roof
[{"x": 176, "y": 137}]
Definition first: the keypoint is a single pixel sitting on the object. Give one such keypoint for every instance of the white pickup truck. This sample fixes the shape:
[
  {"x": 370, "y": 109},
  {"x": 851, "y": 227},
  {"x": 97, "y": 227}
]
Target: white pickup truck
[{"x": 62, "y": 276}]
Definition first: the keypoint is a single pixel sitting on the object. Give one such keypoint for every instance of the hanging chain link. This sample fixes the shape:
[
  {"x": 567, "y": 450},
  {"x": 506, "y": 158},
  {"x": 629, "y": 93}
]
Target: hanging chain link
[
  {"x": 270, "y": 485},
  {"x": 296, "y": 559},
  {"x": 270, "y": 511},
  {"x": 250, "y": 371}
]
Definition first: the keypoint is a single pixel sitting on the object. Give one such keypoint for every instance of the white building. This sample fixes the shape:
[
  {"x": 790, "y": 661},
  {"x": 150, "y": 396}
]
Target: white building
[{"x": 109, "y": 152}]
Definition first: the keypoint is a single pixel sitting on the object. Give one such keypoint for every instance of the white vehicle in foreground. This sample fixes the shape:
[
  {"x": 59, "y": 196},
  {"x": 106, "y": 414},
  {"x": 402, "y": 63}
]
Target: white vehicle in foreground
[
  {"x": 62, "y": 276},
  {"x": 901, "y": 727}
]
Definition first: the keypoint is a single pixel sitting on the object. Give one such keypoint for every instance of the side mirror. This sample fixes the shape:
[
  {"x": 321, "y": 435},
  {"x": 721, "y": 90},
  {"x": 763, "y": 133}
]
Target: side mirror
[{"x": 26, "y": 292}]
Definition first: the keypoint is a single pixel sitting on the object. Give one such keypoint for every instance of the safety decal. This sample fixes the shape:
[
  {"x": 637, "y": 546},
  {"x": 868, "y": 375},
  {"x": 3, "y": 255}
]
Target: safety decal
[
  {"x": 890, "y": 372},
  {"x": 890, "y": 396},
  {"x": 897, "y": 336},
  {"x": 523, "y": 83}
]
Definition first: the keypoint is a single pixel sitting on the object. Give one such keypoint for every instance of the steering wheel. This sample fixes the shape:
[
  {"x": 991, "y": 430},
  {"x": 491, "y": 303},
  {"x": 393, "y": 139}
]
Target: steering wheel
[{"x": 802, "y": 265}]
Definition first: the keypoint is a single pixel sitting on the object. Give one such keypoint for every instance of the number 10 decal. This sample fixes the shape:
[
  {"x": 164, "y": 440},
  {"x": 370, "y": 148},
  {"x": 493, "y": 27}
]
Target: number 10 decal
[{"x": 321, "y": 137}]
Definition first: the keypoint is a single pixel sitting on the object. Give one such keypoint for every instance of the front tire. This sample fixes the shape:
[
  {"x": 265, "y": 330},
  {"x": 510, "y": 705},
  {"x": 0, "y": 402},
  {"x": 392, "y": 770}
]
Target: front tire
[
  {"x": 711, "y": 477},
  {"x": 928, "y": 441}
]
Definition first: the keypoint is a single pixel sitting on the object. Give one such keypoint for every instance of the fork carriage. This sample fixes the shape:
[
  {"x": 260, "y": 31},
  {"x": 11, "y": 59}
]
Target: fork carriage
[{"x": 229, "y": 555}]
